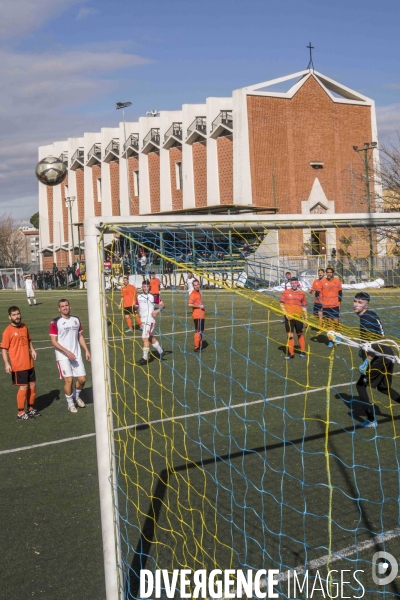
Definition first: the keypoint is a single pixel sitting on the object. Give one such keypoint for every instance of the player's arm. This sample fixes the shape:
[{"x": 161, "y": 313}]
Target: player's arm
[
  {"x": 283, "y": 309},
  {"x": 56, "y": 344},
  {"x": 7, "y": 365},
  {"x": 82, "y": 342},
  {"x": 32, "y": 349},
  {"x": 159, "y": 308}
]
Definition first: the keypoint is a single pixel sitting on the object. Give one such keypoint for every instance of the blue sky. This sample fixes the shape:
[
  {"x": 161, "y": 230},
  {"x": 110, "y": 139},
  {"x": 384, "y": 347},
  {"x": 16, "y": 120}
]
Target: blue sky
[{"x": 64, "y": 63}]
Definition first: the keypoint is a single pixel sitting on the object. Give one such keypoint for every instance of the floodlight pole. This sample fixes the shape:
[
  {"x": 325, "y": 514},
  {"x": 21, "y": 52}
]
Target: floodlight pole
[
  {"x": 367, "y": 147},
  {"x": 122, "y": 106},
  {"x": 69, "y": 202}
]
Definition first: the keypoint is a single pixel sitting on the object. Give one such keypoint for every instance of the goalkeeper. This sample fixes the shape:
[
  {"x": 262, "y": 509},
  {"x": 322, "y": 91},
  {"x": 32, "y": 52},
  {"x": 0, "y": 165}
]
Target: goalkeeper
[{"x": 376, "y": 370}]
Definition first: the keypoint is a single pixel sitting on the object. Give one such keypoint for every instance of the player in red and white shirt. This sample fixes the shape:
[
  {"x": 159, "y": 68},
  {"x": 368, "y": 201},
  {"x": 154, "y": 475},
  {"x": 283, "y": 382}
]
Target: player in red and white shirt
[
  {"x": 148, "y": 309},
  {"x": 67, "y": 339}
]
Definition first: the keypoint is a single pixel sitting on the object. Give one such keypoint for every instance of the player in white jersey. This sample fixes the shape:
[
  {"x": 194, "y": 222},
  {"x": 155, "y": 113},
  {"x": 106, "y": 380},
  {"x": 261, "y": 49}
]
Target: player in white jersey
[
  {"x": 30, "y": 289},
  {"x": 189, "y": 282},
  {"x": 148, "y": 310},
  {"x": 67, "y": 339}
]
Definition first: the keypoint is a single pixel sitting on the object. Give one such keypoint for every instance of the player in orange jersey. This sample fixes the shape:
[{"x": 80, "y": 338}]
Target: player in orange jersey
[
  {"x": 331, "y": 297},
  {"x": 155, "y": 286},
  {"x": 128, "y": 298},
  {"x": 293, "y": 304},
  {"x": 17, "y": 345},
  {"x": 198, "y": 314},
  {"x": 316, "y": 290}
]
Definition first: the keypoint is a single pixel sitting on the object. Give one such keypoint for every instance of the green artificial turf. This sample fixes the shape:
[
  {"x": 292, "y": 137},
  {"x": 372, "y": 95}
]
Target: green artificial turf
[{"x": 199, "y": 485}]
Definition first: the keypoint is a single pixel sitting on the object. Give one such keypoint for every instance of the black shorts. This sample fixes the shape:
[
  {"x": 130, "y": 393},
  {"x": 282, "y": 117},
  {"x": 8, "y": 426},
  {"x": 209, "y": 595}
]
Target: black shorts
[
  {"x": 317, "y": 308},
  {"x": 380, "y": 370},
  {"x": 199, "y": 325},
  {"x": 293, "y": 326},
  {"x": 129, "y": 310},
  {"x": 23, "y": 377},
  {"x": 331, "y": 313}
]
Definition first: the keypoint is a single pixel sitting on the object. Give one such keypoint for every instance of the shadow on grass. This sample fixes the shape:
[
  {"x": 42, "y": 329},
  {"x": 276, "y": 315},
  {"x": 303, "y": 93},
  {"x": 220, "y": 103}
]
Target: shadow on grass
[{"x": 45, "y": 400}]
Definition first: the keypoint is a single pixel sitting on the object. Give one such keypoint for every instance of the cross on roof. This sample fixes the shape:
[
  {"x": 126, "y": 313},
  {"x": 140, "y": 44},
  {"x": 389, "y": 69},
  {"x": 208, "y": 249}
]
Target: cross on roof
[{"x": 310, "y": 62}]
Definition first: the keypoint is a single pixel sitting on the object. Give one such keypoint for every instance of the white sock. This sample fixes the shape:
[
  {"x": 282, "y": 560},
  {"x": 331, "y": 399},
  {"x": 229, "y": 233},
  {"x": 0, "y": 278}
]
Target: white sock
[
  {"x": 34, "y": 302},
  {"x": 145, "y": 353},
  {"x": 77, "y": 393},
  {"x": 70, "y": 399},
  {"x": 157, "y": 347},
  {"x": 29, "y": 302}
]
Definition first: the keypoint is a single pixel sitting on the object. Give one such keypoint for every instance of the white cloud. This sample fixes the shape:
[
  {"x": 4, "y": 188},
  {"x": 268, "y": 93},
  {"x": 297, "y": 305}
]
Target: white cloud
[
  {"x": 86, "y": 11},
  {"x": 40, "y": 100},
  {"x": 21, "y": 16},
  {"x": 388, "y": 118}
]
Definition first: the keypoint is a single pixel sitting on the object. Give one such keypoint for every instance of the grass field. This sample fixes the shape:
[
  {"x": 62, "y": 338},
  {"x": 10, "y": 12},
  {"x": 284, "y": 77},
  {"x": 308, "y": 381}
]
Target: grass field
[{"x": 221, "y": 456}]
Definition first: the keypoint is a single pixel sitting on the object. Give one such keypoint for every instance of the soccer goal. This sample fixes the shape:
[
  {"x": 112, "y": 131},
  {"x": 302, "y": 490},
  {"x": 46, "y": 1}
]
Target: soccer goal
[{"x": 226, "y": 454}]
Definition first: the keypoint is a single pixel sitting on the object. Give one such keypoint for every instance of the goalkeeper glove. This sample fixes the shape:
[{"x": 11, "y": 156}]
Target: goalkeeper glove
[
  {"x": 364, "y": 366},
  {"x": 361, "y": 353}
]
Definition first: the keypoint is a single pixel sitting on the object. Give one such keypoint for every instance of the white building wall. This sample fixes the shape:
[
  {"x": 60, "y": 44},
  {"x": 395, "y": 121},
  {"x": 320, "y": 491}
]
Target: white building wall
[
  {"x": 145, "y": 124},
  {"x": 44, "y": 230},
  {"x": 214, "y": 106},
  {"x": 242, "y": 191},
  {"x": 89, "y": 139},
  {"x": 166, "y": 120},
  {"x": 107, "y": 134},
  {"x": 130, "y": 127},
  {"x": 189, "y": 113}
]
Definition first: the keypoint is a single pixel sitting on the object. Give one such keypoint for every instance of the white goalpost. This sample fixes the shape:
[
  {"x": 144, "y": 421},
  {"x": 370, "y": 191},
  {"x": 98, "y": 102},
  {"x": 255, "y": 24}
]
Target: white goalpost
[{"x": 95, "y": 230}]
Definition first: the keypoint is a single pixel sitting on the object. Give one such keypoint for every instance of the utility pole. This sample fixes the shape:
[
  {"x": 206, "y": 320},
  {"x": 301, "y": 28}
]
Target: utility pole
[
  {"x": 368, "y": 146},
  {"x": 68, "y": 203},
  {"x": 122, "y": 106}
]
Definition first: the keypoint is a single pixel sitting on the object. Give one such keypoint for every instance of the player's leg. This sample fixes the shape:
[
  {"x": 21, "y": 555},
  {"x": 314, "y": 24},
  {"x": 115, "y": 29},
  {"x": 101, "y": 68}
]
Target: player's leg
[
  {"x": 32, "y": 411},
  {"x": 290, "y": 338},
  {"x": 68, "y": 380},
  {"x": 28, "y": 298},
  {"x": 22, "y": 397},
  {"x": 146, "y": 332},
  {"x": 300, "y": 336},
  {"x": 79, "y": 385},
  {"x": 385, "y": 384},
  {"x": 198, "y": 336},
  {"x": 156, "y": 344},
  {"x": 128, "y": 320},
  {"x": 138, "y": 320},
  {"x": 34, "y": 299},
  {"x": 364, "y": 403}
]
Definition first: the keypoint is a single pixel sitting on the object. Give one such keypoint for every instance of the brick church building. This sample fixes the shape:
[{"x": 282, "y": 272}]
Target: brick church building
[{"x": 285, "y": 144}]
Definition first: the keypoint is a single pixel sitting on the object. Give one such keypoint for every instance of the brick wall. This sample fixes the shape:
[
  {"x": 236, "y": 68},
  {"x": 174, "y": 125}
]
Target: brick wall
[
  {"x": 285, "y": 135},
  {"x": 96, "y": 174},
  {"x": 61, "y": 259},
  {"x": 199, "y": 151},
  {"x": 225, "y": 169},
  {"x": 49, "y": 191},
  {"x": 64, "y": 209},
  {"x": 175, "y": 155},
  {"x": 133, "y": 165},
  {"x": 114, "y": 183},
  {"x": 47, "y": 263},
  {"x": 154, "y": 181}
]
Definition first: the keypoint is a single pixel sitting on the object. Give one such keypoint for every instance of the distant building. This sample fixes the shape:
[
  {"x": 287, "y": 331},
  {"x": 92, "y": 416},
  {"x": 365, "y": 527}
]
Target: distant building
[
  {"x": 282, "y": 143},
  {"x": 29, "y": 253}
]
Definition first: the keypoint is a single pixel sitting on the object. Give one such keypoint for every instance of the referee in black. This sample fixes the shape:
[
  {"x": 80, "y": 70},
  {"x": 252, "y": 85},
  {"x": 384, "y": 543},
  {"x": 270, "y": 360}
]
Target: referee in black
[{"x": 376, "y": 370}]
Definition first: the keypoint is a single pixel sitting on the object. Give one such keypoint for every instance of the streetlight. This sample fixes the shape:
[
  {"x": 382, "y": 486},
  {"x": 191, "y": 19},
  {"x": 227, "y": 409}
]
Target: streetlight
[
  {"x": 68, "y": 203},
  {"x": 122, "y": 106},
  {"x": 367, "y": 147}
]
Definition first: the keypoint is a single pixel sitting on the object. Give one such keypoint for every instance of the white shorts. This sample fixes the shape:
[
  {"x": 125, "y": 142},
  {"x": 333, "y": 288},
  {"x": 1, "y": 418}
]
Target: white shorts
[
  {"x": 71, "y": 368},
  {"x": 147, "y": 330},
  {"x": 30, "y": 293}
]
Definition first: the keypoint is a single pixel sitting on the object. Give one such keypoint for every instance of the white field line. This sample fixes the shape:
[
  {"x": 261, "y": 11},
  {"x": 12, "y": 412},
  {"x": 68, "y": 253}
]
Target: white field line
[
  {"x": 138, "y": 337},
  {"x": 176, "y": 418},
  {"x": 336, "y": 556}
]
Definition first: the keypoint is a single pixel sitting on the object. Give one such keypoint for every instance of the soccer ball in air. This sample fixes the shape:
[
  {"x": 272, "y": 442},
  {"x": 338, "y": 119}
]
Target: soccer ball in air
[{"x": 51, "y": 171}]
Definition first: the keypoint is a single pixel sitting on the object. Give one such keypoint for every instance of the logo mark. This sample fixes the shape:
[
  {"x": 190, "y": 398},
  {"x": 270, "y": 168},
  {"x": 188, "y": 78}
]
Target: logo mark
[{"x": 384, "y": 568}]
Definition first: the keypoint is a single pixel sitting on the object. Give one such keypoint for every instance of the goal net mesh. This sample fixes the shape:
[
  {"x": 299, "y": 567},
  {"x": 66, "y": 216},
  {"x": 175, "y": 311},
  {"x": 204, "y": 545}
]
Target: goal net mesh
[{"x": 233, "y": 457}]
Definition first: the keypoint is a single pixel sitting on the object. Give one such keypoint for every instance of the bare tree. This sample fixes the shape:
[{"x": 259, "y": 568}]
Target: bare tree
[
  {"x": 390, "y": 178},
  {"x": 12, "y": 243}
]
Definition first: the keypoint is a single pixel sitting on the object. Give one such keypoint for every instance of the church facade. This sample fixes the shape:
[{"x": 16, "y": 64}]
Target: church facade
[{"x": 286, "y": 144}]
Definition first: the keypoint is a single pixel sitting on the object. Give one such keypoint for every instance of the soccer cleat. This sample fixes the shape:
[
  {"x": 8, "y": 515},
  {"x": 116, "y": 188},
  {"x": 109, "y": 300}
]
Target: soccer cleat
[
  {"x": 289, "y": 356},
  {"x": 34, "y": 413},
  {"x": 72, "y": 408},
  {"x": 143, "y": 361},
  {"x": 80, "y": 403},
  {"x": 128, "y": 330},
  {"x": 24, "y": 417},
  {"x": 319, "y": 332},
  {"x": 369, "y": 424},
  {"x": 161, "y": 355},
  {"x": 302, "y": 355},
  {"x": 197, "y": 350},
  {"x": 330, "y": 344}
]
